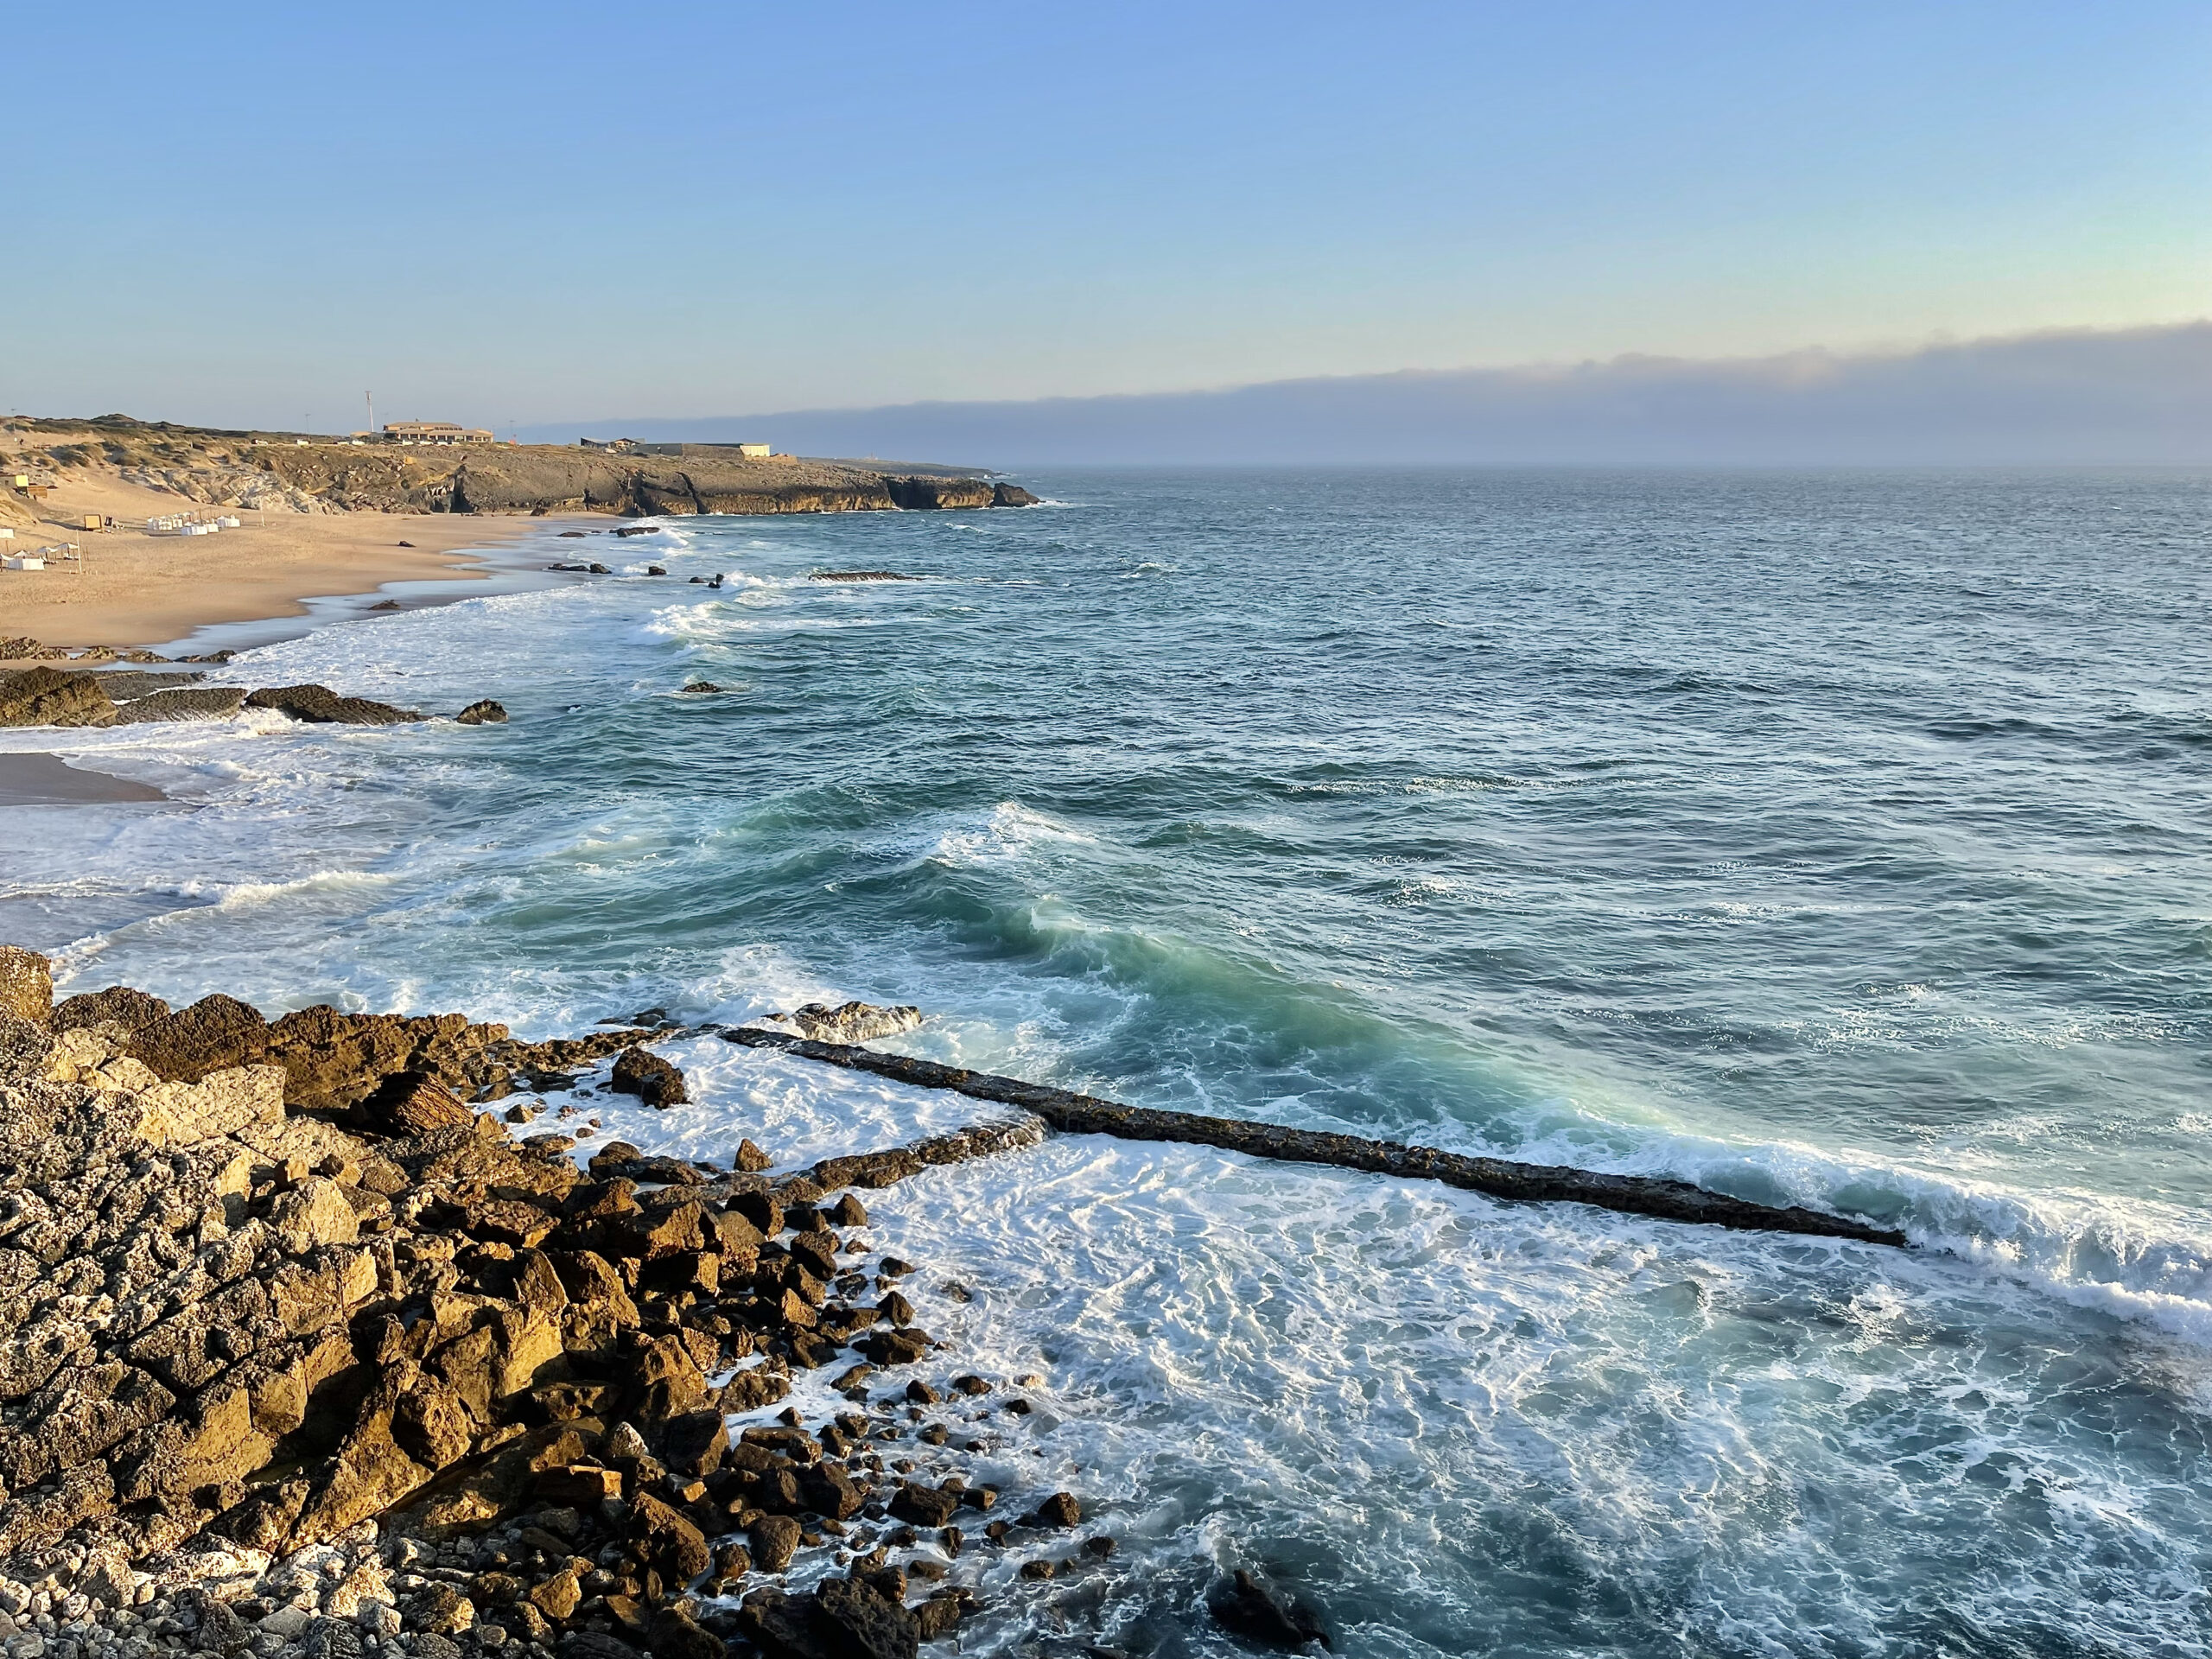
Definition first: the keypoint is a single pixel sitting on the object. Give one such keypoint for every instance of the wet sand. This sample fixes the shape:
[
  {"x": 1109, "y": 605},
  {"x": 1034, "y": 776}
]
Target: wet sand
[{"x": 49, "y": 780}]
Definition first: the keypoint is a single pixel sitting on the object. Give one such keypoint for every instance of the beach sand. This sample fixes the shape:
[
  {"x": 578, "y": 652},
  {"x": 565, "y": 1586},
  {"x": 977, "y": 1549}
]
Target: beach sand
[{"x": 145, "y": 590}]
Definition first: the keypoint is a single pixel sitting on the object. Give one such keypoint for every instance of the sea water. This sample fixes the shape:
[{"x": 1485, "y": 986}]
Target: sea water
[{"x": 1831, "y": 839}]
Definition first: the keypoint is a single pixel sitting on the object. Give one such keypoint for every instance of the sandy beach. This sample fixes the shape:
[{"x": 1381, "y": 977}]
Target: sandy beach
[{"x": 140, "y": 590}]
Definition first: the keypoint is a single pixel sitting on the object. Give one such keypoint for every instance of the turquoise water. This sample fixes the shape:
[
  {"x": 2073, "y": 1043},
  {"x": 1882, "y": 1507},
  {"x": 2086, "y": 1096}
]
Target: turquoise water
[{"x": 1837, "y": 839}]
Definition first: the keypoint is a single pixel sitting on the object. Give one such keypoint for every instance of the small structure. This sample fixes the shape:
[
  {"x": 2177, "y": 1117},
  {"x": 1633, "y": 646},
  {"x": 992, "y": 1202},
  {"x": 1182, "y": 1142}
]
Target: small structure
[
  {"x": 610, "y": 446},
  {"x": 755, "y": 451},
  {"x": 432, "y": 432}
]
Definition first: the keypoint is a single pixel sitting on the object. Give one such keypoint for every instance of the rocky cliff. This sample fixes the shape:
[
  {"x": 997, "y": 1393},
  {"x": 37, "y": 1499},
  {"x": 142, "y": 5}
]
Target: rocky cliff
[{"x": 319, "y": 475}]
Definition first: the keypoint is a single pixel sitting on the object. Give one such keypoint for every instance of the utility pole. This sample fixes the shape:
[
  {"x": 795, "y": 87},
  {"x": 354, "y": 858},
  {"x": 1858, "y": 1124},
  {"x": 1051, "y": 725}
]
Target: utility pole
[{"x": 368, "y": 397}]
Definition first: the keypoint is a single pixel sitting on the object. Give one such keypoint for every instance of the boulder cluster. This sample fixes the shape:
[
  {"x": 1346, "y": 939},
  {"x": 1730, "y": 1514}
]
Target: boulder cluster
[{"x": 305, "y": 1352}]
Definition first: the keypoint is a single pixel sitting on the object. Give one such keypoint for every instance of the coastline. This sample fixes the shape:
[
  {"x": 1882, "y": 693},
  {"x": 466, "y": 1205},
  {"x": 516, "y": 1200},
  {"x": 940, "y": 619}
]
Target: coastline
[{"x": 139, "y": 591}]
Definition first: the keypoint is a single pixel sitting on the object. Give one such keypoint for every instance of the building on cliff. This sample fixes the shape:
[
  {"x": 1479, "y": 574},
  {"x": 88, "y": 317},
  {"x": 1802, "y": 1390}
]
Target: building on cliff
[{"x": 432, "y": 432}]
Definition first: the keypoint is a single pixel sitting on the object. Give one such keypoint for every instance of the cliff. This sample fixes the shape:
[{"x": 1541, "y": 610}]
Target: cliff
[{"x": 319, "y": 474}]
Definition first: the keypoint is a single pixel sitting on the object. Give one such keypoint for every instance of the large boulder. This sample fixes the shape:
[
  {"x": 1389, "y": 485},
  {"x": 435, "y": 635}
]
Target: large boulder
[{"x": 53, "y": 696}]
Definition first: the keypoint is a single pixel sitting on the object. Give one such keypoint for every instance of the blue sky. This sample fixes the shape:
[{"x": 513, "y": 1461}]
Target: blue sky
[{"x": 508, "y": 213}]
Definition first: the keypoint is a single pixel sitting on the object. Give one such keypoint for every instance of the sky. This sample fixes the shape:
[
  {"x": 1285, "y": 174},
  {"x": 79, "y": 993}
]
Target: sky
[{"x": 518, "y": 215}]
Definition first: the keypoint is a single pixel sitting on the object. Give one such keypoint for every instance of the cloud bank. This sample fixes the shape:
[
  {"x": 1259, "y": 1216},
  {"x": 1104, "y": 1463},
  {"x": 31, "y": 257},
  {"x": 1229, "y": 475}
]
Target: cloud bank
[{"x": 2133, "y": 395}]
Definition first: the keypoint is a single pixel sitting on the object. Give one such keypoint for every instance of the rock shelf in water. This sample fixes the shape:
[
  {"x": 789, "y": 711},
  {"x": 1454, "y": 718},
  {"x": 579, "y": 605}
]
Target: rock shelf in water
[{"x": 1074, "y": 1114}]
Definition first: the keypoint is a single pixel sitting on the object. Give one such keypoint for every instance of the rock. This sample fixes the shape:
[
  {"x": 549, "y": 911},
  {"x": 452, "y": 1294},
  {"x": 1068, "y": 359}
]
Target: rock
[
  {"x": 637, "y": 530},
  {"x": 848, "y": 1211},
  {"x": 412, "y": 1102},
  {"x": 390, "y": 604},
  {"x": 53, "y": 696},
  {"x": 827, "y": 1490},
  {"x": 1060, "y": 1509},
  {"x": 667, "y": 1542},
  {"x": 860, "y": 1620},
  {"x": 594, "y": 1645},
  {"x": 484, "y": 712},
  {"x": 675, "y": 1635},
  {"x": 896, "y": 1308},
  {"x": 183, "y": 703},
  {"x": 774, "y": 1540},
  {"x": 751, "y": 1160},
  {"x": 319, "y": 705},
  {"x": 216, "y": 1034},
  {"x": 119, "y": 1003},
  {"x": 443, "y": 1610},
  {"x": 850, "y": 1022},
  {"x": 699, "y": 685},
  {"x": 889, "y": 1348},
  {"x": 639, "y": 1071},
  {"x": 26, "y": 984},
  {"x": 1012, "y": 495},
  {"x": 1245, "y": 1607},
  {"x": 925, "y": 1506},
  {"x": 655, "y": 570},
  {"x": 693, "y": 1445}
]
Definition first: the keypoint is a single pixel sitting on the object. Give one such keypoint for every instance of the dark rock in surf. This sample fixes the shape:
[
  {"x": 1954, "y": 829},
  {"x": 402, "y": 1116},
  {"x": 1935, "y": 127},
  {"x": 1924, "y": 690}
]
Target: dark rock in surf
[
  {"x": 849, "y": 1022},
  {"x": 319, "y": 705},
  {"x": 1012, "y": 495},
  {"x": 484, "y": 712},
  {"x": 185, "y": 703},
  {"x": 1245, "y": 1607},
  {"x": 641, "y": 1072},
  {"x": 53, "y": 696},
  {"x": 389, "y": 604},
  {"x": 700, "y": 687},
  {"x": 655, "y": 570}
]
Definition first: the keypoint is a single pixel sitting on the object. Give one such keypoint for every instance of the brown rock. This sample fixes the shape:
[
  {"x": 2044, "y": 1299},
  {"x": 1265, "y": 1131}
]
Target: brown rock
[
  {"x": 639, "y": 1071},
  {"x": 556, "y": 1597},
  {"x": 925, "y": 1506},
  {"x": 692, "y": 1445},
  {"x": 751, "y": 1158},
  {"x": 667, "y": 1542},
  {"x": 1060, "y": 1509},
  {"x": 675, "y": 1635},
  {"x": 53, "y": 696},
  {"x": 431, "y": 1425},
  {"x": 413, "y": 1103},
  {"x": 126, "y": 1007},
  {"x": 861, "y": 1620},
  {"x": 214, "y": 1034},
  {"x": 774, "y": 1539},
  {"x": 26, "y": 984}
]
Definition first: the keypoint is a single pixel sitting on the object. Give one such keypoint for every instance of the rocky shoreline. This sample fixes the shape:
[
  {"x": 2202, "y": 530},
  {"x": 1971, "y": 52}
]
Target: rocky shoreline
[
  {"x": 86, "y": 692},
  {"x": 308, "y": 1352}
]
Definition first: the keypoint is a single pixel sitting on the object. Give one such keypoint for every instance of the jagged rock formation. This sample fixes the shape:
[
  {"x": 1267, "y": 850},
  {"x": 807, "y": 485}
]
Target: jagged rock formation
[{"x": 299, "y": 1351}]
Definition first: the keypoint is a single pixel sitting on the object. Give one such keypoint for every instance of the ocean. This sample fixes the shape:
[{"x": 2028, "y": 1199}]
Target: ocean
[{"x": 1838, "y": 839}]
